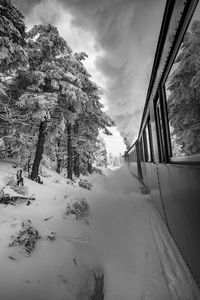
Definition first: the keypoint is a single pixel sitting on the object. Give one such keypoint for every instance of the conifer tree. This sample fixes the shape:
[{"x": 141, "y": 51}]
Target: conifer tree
[
  {"x": 45, "y": 82},
  {"x": 12, "y": 37},
  {"x": 12, "y": 57}
]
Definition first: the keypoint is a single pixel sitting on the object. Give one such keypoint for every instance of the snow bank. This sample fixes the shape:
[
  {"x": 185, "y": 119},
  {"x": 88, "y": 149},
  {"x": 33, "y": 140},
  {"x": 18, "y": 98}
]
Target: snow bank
[{"x": 53, "y": 270}]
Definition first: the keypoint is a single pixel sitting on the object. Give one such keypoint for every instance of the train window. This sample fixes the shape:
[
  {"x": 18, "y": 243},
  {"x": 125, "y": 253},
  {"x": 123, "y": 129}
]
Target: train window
[
  {"x": 145, "y": 147},
  {"x": 141, "y": 148},
  {"x": 160, "y": 130},
  {"x": 149, "y": 134},
  {"x": 182, "y": 89},
  {"x": 134, "y": 154},
  {"x": 132, "y": 158},
  {"x": 147, "y": 143},
  {"x": 151, "y": 141}
]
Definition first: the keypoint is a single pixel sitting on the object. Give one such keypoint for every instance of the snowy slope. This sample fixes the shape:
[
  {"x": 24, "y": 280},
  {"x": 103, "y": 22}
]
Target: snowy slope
[
  {"x": 124, "y": 237},
  {"x": 50, "y": 272}
]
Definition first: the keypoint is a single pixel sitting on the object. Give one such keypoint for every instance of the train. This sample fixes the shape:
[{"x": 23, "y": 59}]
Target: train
[{"x": 166, "y": 153}]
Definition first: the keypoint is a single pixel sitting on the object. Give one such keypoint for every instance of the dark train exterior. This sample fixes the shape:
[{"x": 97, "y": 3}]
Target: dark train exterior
[{"x": 166, "y": 154}]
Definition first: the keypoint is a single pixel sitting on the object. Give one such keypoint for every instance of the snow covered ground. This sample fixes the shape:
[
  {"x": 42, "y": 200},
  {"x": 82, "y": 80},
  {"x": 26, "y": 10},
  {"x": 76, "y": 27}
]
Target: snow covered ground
[{"x": 123, "y": 237}]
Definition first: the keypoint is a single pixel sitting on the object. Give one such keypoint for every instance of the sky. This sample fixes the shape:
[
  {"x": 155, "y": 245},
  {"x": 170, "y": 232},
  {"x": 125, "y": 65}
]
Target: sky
[
  {"x": 120, "y": 38},
  {"x": 114, "y": 143}
]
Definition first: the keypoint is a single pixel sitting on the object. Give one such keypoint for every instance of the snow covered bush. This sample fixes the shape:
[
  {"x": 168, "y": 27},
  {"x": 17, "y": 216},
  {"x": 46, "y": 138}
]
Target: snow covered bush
[
  {"x": 98, "y": 288},
  {"x": 12, "y": 183},
  {"x": 97, "y": 170},
  {"x": 22, "y": 190},
  {"x": 26, "y": 238},
  {"x": 85, "y": 184},
  {"x": 79, "y": 208}
]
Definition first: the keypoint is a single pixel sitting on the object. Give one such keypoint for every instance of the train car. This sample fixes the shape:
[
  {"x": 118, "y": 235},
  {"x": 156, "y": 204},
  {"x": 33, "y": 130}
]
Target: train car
[{"x": 166, "y": 155}]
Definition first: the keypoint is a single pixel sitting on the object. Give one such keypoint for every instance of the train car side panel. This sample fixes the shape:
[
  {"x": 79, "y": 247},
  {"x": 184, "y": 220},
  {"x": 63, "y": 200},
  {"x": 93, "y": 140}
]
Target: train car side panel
[
  {"x": 181, "y": 197},
  {"x": 154, "y": 185}
]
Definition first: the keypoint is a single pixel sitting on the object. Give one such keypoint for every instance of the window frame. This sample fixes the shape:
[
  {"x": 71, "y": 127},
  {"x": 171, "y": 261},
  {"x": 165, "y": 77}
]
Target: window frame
[
  {"x": 150, "y": 139},
  {"x": 194, "y": 158},
  {"x": 147, "y": 138},
  {"x": 164, "y": 145}
]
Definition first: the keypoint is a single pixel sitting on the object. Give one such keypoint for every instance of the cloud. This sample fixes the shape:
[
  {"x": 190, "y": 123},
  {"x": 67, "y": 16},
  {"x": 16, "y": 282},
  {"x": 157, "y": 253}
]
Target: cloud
[
  {"x": 121, "y": 36},
  {"x": 26, "y": 5}
]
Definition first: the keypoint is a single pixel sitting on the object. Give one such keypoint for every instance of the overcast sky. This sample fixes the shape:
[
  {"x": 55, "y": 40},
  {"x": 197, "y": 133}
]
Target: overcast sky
[{"x": 120, "y": 37}]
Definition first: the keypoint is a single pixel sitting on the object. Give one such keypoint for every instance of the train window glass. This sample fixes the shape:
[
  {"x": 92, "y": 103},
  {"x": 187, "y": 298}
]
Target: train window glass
[
  {"x": 150, "y": 139},
  {"x": 145, "y": 147},
  {"x": 140, "y": 149},
  {"x": 182, "y": 89},
  {"x": 159, "y": 123},
  {"x": 147, "y": 143},
  {"x": 148, "y": 147},
  {"x": 135, "y": 154}
]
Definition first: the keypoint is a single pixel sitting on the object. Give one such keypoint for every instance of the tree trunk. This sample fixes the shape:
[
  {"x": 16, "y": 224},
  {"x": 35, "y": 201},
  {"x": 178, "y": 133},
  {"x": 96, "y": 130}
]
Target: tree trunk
[
  {"x": 78, "y": 165},
  {"x": 76, "y": 155},
  {"x": 59, "y": 160},
  {"x": 75, "y": 163},
  {"x": 39, "y": 150},
  {"x": 58, "y": 169},
  {"x": 29, "y": 165},
  {"x": 69, "y": 150},
  {"x": 89, "y": 165}
]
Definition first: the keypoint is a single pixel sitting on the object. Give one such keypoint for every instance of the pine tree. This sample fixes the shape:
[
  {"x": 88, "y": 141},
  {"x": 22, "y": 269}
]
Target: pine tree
[
  {"x": 43, "y": 86},
  {"x": 12, "y": 57},
  {"x": 12, "y": 37},
  {"x": 85, "y": 119}
]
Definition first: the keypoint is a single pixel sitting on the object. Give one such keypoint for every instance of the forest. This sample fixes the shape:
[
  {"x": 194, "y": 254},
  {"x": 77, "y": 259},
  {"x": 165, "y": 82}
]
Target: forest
[{"x": 50, "y": 108}]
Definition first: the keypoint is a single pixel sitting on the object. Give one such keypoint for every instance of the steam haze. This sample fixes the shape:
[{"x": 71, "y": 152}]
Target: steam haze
[{"x": 120, "y": 37}]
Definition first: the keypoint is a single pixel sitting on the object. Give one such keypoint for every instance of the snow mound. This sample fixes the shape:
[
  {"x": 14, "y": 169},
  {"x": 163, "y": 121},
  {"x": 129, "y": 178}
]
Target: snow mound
[
  {"x": 26, "y": 238},
  {"x": 79, "y": 208},
  {"x": 85, "y": 184}
]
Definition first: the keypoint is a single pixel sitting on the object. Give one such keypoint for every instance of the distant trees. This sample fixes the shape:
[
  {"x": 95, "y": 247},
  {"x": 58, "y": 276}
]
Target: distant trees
[
  {"x": 101, "y": 154},
  {"x": 114, "y": 160},
  {"x": 184, "y": 98},
  {"x": 53, "y": 105}
]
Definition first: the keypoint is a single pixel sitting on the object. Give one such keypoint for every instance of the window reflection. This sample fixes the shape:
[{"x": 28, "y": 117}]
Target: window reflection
[{"x": 183, "y": 93}]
